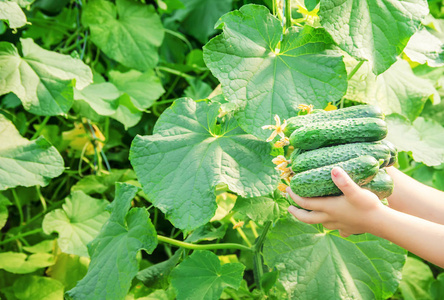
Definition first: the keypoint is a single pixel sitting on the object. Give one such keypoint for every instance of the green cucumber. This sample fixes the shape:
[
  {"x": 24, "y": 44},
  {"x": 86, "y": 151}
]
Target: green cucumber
[
  {"x": 393, "y": 153},
  {"x": 382, "y": 185},
  {"x": 318, "y": 182},
  {"x": 330, "y": 155},
  {"x": 316, "y": 135},
  {"x": 353, "y": 112}
]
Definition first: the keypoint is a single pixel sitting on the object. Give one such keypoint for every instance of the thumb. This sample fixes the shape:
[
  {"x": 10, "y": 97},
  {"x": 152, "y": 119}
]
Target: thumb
[{"x": 344, "y": 182}]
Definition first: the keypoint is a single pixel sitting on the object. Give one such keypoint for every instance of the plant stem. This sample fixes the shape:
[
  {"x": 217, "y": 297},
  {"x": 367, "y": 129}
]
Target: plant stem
[
  {"x": 20, "y": 235},
  {"x": 274, "y": 7},
  {"x": 175, "y": 72},
  {"x": 355, "y": 69},
  {"x": 41, "y": 127},
  {"x": 19, "y": 206},
  {"x": 186, "y": 245},
  {"x": 287, "y": 14},
  {"x": 257, "y": 259},
  {"x": 180, "y": 37}
]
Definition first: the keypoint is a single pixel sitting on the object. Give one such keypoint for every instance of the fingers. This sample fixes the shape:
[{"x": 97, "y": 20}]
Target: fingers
[
  {"x": 307, "y": 203},
  {"x": 309, "y": 217},
  {"x": 344, "y": 182}
]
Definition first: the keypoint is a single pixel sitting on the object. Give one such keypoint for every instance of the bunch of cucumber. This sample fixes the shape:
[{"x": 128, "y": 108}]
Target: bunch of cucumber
[{"x": 351, "y": 138}]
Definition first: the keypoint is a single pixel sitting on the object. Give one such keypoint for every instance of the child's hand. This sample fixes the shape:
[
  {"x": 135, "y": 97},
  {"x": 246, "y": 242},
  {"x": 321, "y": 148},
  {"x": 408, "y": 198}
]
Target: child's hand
[{"x": 354, "y": 212}]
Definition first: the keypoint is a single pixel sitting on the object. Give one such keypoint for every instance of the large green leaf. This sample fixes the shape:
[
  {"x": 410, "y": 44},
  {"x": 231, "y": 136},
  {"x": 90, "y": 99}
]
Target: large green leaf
[
  {"x": 24, "y": 162},
  {"x": 397, "y": 90},
  {"x": 113, "y": 252},
  {"x": 20, "y": 263},
  {"x": 424, "y": 47},
  {"x": 68, "y": 269},
  {"x": 317, "y": 264},
  {"x": 266, "y": 80},
  {"x": 372, "y": 30},
  {"x": 143, "y": 88},
  {"x": 201, "y": 277},
  {"x": 423, "y": 138},
  {"x": 12, "y": 14},
  {"x": 259, "y": 209},
  {"x": 198, "y": 17},
  {"x": 189, "y": 154},
  {"x": 78, "y": 223},
  {"x": 128, "y": 32},
  {"x": 416, "y": 280},
  {"x": 42, "y": 79}
]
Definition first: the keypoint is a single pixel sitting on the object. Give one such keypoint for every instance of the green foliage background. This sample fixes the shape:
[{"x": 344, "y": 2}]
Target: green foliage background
[{"x": 136, "y": 125}]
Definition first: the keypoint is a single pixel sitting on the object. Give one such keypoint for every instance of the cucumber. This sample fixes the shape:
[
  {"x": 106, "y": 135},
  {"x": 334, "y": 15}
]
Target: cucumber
[
  {"x": 393, "y": 153},
  {"x": 316, "y": 135},
  {"x": 353, "y": 112},
  {"x": 317, "y": 182},
  {"x": 330, "y": 155},
  {"x": 382, "y": 185}
]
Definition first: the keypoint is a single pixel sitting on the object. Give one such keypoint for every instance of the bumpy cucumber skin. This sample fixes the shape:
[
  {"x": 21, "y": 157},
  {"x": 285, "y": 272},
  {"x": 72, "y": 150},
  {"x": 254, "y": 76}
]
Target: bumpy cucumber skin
[
  {"x": 317, "y": 135},
  {"x": 330, "y": 155},
  {"x": 382, "y": 185},
  {"x": 354, "y": 112},
  {"x": 393, "y": 153},
  {"x": 318, "y": 182}
]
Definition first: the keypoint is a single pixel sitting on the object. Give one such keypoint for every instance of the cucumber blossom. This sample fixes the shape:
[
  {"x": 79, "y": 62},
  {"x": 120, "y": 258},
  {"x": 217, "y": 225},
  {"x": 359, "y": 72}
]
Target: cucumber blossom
[
  {"x": 317, "y": 182},
  {"x": 382, "y": 185},
  {"x": 316, "y": 135},
  {"x": 354, "y": 112},
  {"x": 330, "y": 155}
]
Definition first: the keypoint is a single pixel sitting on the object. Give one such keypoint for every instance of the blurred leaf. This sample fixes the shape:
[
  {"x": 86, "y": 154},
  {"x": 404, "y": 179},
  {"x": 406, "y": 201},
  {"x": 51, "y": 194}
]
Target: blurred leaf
[
  {"x": 52, "y": 30},
  {"x": 198, "y": 17},
  {"x": 209, "y": 277},
  {"x": 424, "y": 47},
  {"x": 225, "y": 202},
  {"x": 206, "y": 232},
  {"x": 113, "y": 252},
  {"x": 95, "y": 184},
  {"x": 78, "y": 223},
  {"x": 370, "y": 30},
  {"x": 438, "y": 180},
  {"x": 20, "y": 263},
  {"x": 68, "y": 269},
  {"x": 4, "y": 203},
  {"x": 12, "y": 14},
  {"x": 24, "y": 162},
  {"x": 42, "y": 79},
  {"x": 42, "y": 247},
  {"x": 128, "y": 32},
  {"x": 157, "y": 276},
  {"x": 37, "y": 288},
  {"x": 197, "y": 89},
  {"x": 143, "y": 88},
  {"x": 437, "y": 288},
  {"x": 416, "y": 280},
  {"x": 397, "y": 90},
  {"x": 423, "y": 138}
]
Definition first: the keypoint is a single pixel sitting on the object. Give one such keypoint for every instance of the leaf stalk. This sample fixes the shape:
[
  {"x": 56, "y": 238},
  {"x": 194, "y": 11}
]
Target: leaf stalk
[{"x": 186, "y": 245}]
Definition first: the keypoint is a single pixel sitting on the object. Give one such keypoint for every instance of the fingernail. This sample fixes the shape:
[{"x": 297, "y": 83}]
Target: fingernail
[
  {"x": 338, "y": 176},
  {"x": 336, "y": 172},
  {"x": 292, "y": 209}
]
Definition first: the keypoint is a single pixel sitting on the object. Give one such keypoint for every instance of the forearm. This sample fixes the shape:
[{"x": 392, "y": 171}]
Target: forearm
[
  {"x": 414, "y": 198},
  {"x": 419, "y": 236}
]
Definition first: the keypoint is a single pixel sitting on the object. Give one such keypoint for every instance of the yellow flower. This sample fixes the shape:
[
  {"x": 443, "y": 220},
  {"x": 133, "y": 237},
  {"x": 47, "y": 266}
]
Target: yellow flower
[
  {"x": 282, "y": 142},
  {"x": 239, "y": 224},
  {"x": 282, "y": 187},
  {"x": 286, "y": 173},
  {"x": 278, "y": 128},
  {"x": 330, "y": 107},
  {"x": 279, "y": 160},
  {"x": 307, "y": 108}
]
